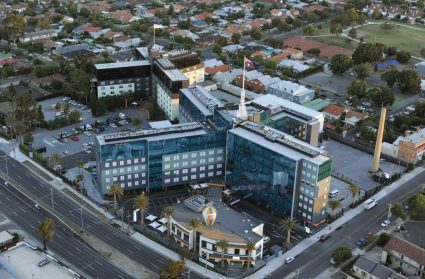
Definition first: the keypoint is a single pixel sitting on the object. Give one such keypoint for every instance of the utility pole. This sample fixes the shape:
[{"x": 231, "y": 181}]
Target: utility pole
[{"x": 389, "y": 212}]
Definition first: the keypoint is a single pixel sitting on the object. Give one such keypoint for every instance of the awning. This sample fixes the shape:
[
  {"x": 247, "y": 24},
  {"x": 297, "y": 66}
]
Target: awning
[
  {"x": 155, "y": 225},
  {"x": 161, "y": 229},
  {"x": 163, "y": 220},
  {"x": 151, "y": 217}
]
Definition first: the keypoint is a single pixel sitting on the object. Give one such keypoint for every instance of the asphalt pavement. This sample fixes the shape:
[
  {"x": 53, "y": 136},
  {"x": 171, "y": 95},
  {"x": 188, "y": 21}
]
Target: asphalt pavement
[
  {"x": 22, "y": 211},
  {"x": 316, "y": 259},
  {"x": 92, "y": 225}
]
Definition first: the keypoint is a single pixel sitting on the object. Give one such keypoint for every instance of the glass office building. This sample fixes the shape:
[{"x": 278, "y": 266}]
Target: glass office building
[
  {"x": 160, "y": 158},
  {"x": 278, "y": 171}
]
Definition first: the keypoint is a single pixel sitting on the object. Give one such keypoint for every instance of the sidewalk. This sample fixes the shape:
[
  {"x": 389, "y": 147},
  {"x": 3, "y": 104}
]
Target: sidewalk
[
  {"x": 348, "y": 215},
  {"x": 150, "y": 244}
]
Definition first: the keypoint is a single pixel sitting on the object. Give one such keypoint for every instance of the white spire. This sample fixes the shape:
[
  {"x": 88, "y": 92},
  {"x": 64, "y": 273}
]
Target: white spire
[{"x": 242, "y": 108}]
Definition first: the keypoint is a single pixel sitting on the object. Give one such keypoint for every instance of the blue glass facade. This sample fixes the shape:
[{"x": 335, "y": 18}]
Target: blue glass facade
[
  {"x": 124, "y": 150},
  {"x": 157, "y": 149},
  {"x": 266, "y": 177}
]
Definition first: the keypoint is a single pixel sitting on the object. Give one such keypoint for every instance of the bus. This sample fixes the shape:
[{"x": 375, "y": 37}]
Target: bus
[{"x": 370, "y": 203}]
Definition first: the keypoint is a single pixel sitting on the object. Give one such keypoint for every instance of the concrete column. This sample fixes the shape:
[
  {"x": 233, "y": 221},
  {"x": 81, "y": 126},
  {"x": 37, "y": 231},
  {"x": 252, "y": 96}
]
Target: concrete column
[{"x": 378, "y": 145}]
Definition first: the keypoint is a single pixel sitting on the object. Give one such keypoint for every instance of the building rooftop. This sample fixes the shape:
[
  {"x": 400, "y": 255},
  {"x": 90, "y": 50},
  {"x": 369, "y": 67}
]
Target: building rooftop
[
  {"x": 188, "y": 129},
  {"x": 415, "y": 137},
  {"x": 123, "y": 64},
  {"x": 408, "y": 249},
  {"x": 170, "y": 70},
  {"x": 230, "y": 224},
  {"x": 279, "y": 142},
  {"x": 202, "y": 99},
  {"x": 23, "y": 264}
]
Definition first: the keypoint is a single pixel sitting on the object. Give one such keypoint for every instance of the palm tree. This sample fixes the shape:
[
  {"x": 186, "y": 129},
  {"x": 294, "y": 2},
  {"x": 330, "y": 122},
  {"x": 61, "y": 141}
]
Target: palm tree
[
  {"x": 142, "y": 202},
  {"x": 46, "y": 229},
  {"x": 55, "y": 159},
  {"x": 194, "y": 224},
  {"x": 250, "y": 247},
  {"x": 168, "y": 213},
  {"x": 222, "y": 244},
  {"x": 355, "y": 191},
  {"x": 333, "y": 205},
  {"x": 116, "y": 191},
  {"x": 288, "y": 224}
]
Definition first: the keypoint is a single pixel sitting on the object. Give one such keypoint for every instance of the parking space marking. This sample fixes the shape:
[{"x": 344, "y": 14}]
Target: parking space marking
[{"x": 48, "y": 142}]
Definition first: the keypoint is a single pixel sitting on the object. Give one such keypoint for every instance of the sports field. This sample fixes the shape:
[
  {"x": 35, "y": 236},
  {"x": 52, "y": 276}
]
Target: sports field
[{"x": 404, "y": 37}]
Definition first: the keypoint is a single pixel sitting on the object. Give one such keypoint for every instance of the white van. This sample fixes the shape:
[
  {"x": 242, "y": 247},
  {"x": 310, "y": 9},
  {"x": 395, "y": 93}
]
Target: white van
[
  {"x": 370, "y": 203},
  {"x": 334, "y": 193},
  {"x": 121, "y": 115}
]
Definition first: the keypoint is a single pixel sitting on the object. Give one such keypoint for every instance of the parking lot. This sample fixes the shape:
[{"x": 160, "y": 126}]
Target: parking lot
[
  {"x": 344, "y": 193},
  {"x": 355, "y": 164},
  {"x": 77, "y": 141}
]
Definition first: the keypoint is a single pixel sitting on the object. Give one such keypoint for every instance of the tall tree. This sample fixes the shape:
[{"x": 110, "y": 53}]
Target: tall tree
[
  {"x": 55, "y": 159},
  {"x": 142, "y": 202},
  {"x": 357, "y": 88},
  {"x": 46, "y": 229},
  {"x": 334, "y": 205},
  {"x": 363, "y": 70},
  {"x": 116, "y": 191},
  {"x": 250, "y": 247},
  {"x": 288, "y": 224},
  {"x": 382, "y": 96},
  {"x": 194, "y": 224},
  {"x": 341, "y": 254},
  {"x": 168, "y": 212},
  {"x": 222, "y": 244},
  {"x": 355, "y": 191},
  {"x": 13, "y": 26},
  {"x": 390, "y": 77},
  {"x": 352, "y": 33},
  {"x": 409, "y": 80},
  {"x": 173, "y": 269},
  {"x": 340, "y": 63}
]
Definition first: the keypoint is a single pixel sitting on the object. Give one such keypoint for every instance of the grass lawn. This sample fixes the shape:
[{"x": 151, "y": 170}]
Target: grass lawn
[
  {"x": 403, "y": 37},
  {"x": 325, "y": 36}
]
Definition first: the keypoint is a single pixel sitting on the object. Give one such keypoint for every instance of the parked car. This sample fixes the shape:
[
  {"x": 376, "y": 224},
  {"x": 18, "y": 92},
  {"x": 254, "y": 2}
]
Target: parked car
[
  {"x": 87, "y": 133},
  {"x": 113, "y": 125},
  {"x": 74, "y": 138},
  {"x": 386, "y": 223},
  {"x": 368, "y": 235},
  {"x": 324, "y": 237},
  {"x": 360, "y": 241},
  {"x": 91, "y": 143},
  {"x": 86, "y": 145},
  {"x": 289, "y": 259}
]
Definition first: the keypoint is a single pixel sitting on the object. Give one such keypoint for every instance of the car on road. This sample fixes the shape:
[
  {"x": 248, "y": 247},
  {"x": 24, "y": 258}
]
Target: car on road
[
  {"x": 74, "y": 138},
  {"x": 37, "y": 206},
  {"x": 91, "y": 144},
  {"x": 323, "y": 95},
  {"x": 88, "y": 151},
  {"x": 324, "y": 237},
  {"x": 289, "y": 259},
  {"x": 113, "y": 125},
  {"x": 86, "y": 145},
  {"x": 87, "y": 133},
  {"x": 385, "y": 223},
  {"x": 360, "y": 241},
  {"x": 338, "y": 95}
]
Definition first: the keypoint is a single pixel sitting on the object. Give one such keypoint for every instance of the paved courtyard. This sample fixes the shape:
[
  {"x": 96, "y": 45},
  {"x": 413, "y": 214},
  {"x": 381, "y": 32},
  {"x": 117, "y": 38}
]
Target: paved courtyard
[{"x": 355, "y": 164}]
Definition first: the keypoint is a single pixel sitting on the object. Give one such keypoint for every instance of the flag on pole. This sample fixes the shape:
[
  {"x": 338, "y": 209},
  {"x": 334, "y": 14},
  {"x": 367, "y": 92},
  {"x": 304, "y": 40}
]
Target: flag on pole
[{"x": 248, "y": 63}]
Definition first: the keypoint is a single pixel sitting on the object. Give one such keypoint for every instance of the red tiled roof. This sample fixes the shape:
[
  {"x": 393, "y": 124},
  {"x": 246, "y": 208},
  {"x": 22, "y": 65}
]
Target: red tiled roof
[
  {"x": 352, "y": 113},
  {"x": 334, "y": 110},
  {"x": 406, "y": 248}
]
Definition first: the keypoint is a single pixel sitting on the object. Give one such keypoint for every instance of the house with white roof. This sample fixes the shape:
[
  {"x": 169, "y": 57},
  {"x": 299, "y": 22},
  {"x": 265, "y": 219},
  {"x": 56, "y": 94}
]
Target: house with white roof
[{"x": 291, "y": 91}]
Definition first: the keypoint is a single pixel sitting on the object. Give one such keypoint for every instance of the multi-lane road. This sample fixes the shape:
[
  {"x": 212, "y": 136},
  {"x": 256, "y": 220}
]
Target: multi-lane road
[
  {"x": 67, "y": 208},
  {"x": 22, "y": 211},
  {"x": 313, "y": 261}
]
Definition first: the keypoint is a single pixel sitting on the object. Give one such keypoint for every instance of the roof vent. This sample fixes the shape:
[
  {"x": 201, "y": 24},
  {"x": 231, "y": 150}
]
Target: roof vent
[{"x": 245, "y": 231}]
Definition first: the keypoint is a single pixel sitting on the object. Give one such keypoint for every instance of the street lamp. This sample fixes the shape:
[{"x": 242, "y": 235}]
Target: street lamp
[{"x": 82, "y": 220}]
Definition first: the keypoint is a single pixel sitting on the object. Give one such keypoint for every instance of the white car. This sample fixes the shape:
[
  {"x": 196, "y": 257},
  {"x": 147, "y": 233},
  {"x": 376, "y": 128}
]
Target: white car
[
  {"x": 86, "y": 145},
  {"x": 87, "y": 133},
  {"x": 385, "y": 223},
  {"x": 289, "y": 259},
  {"x": 88, "y": 151},
  {"x": 113, "y": 125}
]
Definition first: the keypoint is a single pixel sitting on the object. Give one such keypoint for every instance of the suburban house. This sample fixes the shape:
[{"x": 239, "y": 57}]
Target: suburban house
[
  {"x": 333, "y": 111},
  {"x": 404, "y": 254},
  {"x": 420, "y": 69},
  {"x": 213, "y": 66},
  {"x": 291, "y": 91},
  {"x": 43, "y": 34},
  {"x": 365, "y": 268},
  {"x": 296, "y": 66}
]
